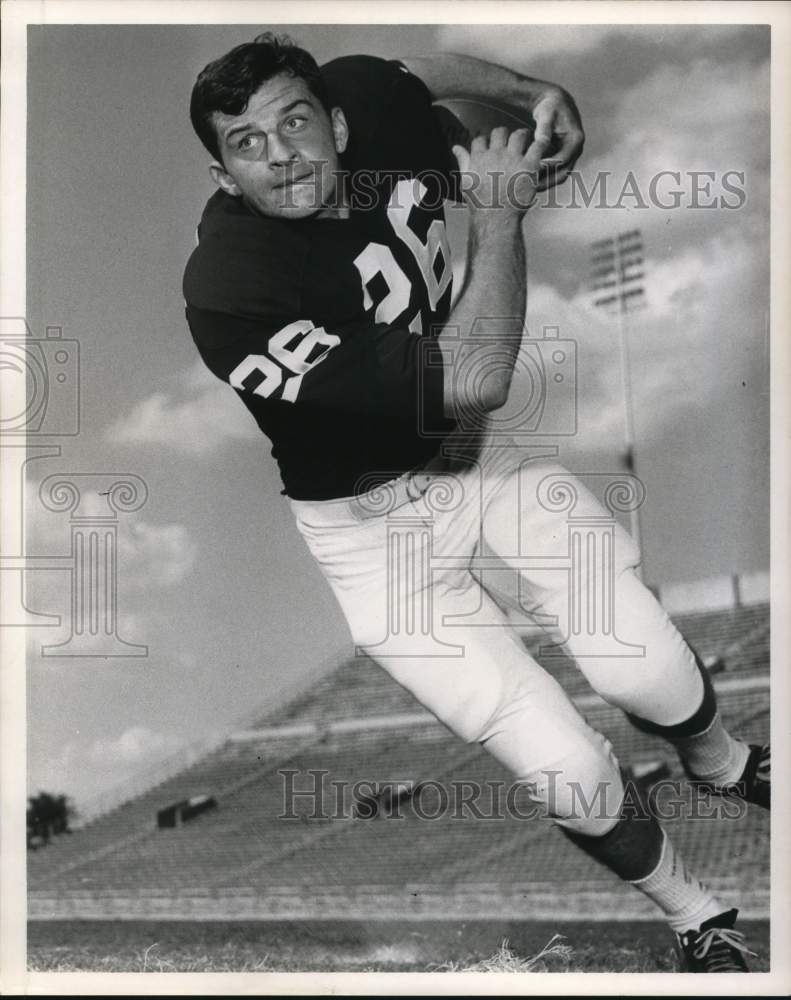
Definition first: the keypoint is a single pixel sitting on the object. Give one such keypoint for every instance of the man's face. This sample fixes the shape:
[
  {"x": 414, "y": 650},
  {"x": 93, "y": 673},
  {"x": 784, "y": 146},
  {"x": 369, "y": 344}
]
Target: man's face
[{"x": 281, "y": 153}]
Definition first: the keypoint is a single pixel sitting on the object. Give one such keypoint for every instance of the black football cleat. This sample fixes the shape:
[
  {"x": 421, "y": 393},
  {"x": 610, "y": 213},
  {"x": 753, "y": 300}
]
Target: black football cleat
[
  {"x": 716, "y": 947},
  {"x": 755, "y": 783}
]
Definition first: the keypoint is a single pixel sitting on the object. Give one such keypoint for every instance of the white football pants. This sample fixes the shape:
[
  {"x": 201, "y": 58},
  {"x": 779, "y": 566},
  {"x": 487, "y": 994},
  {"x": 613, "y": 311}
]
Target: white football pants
[{"x": 422, "y": 568}]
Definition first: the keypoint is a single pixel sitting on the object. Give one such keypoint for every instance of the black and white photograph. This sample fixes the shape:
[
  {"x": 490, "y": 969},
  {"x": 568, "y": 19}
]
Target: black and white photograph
[{"x": 394, "y": 442}]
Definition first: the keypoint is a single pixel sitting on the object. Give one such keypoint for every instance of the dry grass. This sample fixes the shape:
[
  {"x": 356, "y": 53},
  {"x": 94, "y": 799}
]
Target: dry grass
[
  {"x": 361, "y": 946},
  {"x": 504, "y": 960}
]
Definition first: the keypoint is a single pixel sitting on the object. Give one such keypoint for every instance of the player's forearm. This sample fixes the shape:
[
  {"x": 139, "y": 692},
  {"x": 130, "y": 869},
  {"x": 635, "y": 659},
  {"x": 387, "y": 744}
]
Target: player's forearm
[
  {"x": 485, "y": 326},
  {"x": 553, "y": 109},
  {"x": 448, "y": 75}
]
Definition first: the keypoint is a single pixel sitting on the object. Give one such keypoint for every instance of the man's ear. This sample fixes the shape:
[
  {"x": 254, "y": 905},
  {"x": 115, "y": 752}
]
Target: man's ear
[
  {"x": 223, "y": 179},
  {"x": 340, "y": 129}
]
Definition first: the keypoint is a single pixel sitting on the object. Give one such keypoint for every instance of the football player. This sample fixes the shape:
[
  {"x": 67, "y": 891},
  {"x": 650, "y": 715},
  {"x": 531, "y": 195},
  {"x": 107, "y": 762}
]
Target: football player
[{"x": 321, "y": 280}]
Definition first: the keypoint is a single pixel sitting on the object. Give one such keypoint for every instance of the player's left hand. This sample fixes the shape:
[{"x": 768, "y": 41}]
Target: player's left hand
[{"x": 557, "y": 119}]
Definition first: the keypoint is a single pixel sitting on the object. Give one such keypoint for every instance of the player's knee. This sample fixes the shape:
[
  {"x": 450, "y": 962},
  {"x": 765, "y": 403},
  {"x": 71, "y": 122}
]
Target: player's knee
[
  {"x": 586, "y": 797},
  {"x": 470, "y": 699},
  {"x": 643, "y": 687},
  {"x": 367, "y": 634},
  {"x": 626, "y": 555},
  {"x": 468, "y": 707},
  {"x": 367, "y": 622}
]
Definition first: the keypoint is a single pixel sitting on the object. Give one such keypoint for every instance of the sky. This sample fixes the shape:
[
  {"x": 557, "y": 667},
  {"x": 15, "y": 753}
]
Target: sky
[{"x": 212, "y": 575}]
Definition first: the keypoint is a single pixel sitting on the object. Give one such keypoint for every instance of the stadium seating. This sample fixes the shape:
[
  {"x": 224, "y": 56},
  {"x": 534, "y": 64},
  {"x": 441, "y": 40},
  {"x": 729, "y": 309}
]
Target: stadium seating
[{"x": 245, "y": 858}]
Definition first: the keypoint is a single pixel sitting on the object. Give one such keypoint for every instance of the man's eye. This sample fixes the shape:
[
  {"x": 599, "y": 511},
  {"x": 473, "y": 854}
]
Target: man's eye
[
  {"x": 295, "y": 122},
  {"x": 247, "y": 142}
]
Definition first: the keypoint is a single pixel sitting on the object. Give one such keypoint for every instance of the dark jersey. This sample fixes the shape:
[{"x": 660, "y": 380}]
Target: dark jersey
[{"x": 320, "y": 324}]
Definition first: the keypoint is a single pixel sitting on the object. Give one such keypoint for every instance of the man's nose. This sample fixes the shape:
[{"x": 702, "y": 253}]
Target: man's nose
[{"x": 280, "y": 150}]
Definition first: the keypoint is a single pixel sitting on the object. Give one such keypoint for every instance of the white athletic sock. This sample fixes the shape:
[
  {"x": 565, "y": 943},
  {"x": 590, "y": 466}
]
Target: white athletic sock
[
  {"x": 684, "y": 900},
  {"x": 713, "y": 755}
]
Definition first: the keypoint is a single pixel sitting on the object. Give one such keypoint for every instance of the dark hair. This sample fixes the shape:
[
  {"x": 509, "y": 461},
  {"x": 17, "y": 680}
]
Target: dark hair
[{"x": 228, "y": 83}]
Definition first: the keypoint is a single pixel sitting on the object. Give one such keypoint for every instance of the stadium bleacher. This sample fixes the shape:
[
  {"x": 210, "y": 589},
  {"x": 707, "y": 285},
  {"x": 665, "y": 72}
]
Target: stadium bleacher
[{"x": 244, "y": 859}]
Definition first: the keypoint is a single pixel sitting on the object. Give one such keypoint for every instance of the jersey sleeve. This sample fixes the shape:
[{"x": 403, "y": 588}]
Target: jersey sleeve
[{"x": 393, "y": 125}]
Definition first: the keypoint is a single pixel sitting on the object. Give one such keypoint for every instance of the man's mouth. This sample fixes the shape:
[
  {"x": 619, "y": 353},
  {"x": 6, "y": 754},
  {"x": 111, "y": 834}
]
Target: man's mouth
[{"x": 296, "y": 179}]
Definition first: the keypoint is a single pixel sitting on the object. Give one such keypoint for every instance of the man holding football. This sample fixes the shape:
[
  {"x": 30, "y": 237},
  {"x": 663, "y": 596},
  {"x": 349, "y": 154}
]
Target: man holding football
[{"x": 321, "y": 291}]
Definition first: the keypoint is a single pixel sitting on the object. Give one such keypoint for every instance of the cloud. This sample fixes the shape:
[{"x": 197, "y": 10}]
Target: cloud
[
  {"x": 709, "y": 119},
  {"x": 149, "y": 555},
  {"x": 197, "y": 419},
  {"x": 514, "y": 46},
  {"x": 158, "y": 555},
  {"x": 593, "y": 340},
  {"x": 690, "y": 349},
  {"x": 571, "y": 47},
  {"x": 134, "y": 746},
  {"x": 150, "y": 559},
  {"x": 88, "y": 769},
  {"x": 186, "y": 660}
]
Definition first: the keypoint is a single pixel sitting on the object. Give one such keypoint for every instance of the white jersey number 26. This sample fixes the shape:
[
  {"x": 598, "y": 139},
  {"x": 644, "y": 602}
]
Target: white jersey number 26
[
  {"x": 290, "y": 349},
  {"x": 378, "y": 258}
]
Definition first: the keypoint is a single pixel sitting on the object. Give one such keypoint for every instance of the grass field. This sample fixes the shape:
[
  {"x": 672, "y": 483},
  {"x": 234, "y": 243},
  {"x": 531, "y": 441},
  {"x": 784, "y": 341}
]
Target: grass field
[{"x": 372, "y": 946}]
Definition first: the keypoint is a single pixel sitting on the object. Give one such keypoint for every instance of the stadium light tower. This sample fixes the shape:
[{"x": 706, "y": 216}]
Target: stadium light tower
[{"x": 617, "y": 273}]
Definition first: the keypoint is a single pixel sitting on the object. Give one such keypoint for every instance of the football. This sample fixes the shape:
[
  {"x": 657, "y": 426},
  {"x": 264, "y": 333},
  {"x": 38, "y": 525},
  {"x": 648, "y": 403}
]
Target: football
[{"x": 479, "y": 118}]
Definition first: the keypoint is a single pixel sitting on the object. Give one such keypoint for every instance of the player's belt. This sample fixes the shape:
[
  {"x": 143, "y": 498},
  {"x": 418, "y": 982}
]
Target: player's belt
[
  {"x": 445, "y": 472},
  {"x": 380, "y": 501},
  {"x": 462, "y": 452},
  {"x": 387, "y": 497}
]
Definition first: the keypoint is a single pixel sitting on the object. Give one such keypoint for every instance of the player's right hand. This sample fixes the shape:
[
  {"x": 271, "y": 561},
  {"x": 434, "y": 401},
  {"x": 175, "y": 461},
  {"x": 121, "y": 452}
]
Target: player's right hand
[{"x": 500, "y": 172}]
